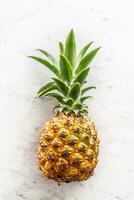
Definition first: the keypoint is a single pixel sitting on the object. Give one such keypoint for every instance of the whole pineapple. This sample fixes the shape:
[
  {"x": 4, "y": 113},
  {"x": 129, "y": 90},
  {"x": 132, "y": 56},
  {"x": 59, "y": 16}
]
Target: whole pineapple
[{"x": 69, "y": 146}]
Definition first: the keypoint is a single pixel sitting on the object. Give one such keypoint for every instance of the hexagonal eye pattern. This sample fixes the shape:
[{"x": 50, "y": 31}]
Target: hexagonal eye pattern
[
  {"x": 85, "y": 137},
  {"x": 82, "y": 147},
  {"x": 72, "y": 140},
  {"x": 76, "y": 159},
  {"x": 68, "y": 123},
  {"x": 57, "y": 143},
  {"x": 62, "y": 164},
  {"x": 49, "y": 135},
  {"x": 68, "y": 149},
  {"x": 63, "y": 133},
  {"x": 56, "y": 127},
  {"x": 51, "y": 155}
]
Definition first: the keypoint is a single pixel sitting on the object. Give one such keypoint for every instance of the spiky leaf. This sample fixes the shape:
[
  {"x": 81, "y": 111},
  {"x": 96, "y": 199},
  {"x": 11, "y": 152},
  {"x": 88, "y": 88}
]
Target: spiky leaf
[
  {"x": 55, "y": 107},
  {"x": 84, "y": 50},
  {"x": 70, "y": 49},
  {"x": 61, "y": 47},
  {"x": 49, "y": 56},
  {"x": 84, "y": 110},
  {"x": 66, "y": 86},
  {"x": 48, "y": 89},
  {"x": 75, "y": 90},
  {"x": 86, "y": 60},
  {"x": 82, "y": 76},
  {"x": 45, "y": 87},
  {"x": 82, "y": 99},
  {"x": 47, "y": 64},
  {"x": 70, "y": 102},
  {"x": 56, "y": 96},
  {"x": 77, "y": 106},
  {"x": 87, "y": 88},
  {"x": 65, "y": 69},
  {"x": 61, "y": 86}
]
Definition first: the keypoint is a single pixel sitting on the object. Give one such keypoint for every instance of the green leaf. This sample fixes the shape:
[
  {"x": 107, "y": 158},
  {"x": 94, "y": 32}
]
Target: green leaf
[
  {"x": 70, "y": 49},
  {"x": 86, "y": 60},
  {"x": 55, "y": 107},
  {"x": 84, "y": 82},
  {"x": 75, "y": 90},
  {"x": 48, "y": 89},
  {"x": 69, "y": 102},
  {"x": 82, "y": 99},
  {"x": 67, "y": 109},
  {"x": 82, "y": 76},
  {"x": 61, "y": 86},
  {"x": 61, "y": 47},
  {"x": 47, "y": 64},
  {"x": 65, "y": 69},
  {"x": 45, "y": 87},
  {"x": 49, "y": 56},
  {"x": 77, "y": 106},
  {"x": 84, "y": 50},
  {"x": 87, "y": 88},
  {"x": 55, "y": 95},
  {"x": 84, "y": 110}
]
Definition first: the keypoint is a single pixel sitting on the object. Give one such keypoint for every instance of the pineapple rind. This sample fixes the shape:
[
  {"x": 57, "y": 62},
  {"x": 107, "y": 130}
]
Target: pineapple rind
[{"x": 68, "y": 149}]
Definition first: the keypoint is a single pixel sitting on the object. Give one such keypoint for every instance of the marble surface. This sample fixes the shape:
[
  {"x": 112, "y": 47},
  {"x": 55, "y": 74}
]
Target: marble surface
[{"x": 30, "y": 24}]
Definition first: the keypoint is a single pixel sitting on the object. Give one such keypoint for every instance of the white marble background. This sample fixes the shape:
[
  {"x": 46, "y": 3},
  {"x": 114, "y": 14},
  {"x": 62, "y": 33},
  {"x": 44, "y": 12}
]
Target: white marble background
[{"x": 29, "y": 24}]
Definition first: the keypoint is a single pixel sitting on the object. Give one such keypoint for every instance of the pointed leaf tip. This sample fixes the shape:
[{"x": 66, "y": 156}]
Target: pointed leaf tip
[
  {"x": 46, "y": 88},
  {"x": 61, "y": 48},
  {"x": 48, "y": 55},
  {"x": 86, "y": 89},
  {"x": 84, "y": 50},
  {"x": 82, "y": 99},
  {"x": 47, "y": 64},
  {"x": 87, "y": 60},
  {"x": 72, "y": 31},
  {"x": 70, "y": 48}
]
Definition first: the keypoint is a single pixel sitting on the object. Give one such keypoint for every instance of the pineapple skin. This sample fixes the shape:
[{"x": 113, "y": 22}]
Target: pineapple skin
[{"x": 68, "y": 148}]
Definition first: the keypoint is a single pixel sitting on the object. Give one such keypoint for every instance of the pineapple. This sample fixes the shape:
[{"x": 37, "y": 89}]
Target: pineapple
[{"x": 68, "y": 147}]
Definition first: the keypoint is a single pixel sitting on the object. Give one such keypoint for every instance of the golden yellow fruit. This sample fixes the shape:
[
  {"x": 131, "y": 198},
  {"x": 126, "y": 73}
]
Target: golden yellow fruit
[{"x": 68, "y": 149}]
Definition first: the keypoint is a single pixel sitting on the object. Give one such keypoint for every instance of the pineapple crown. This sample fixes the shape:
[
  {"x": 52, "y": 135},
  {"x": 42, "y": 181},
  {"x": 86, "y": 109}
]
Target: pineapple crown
[{"x": 68, "y": 84}]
